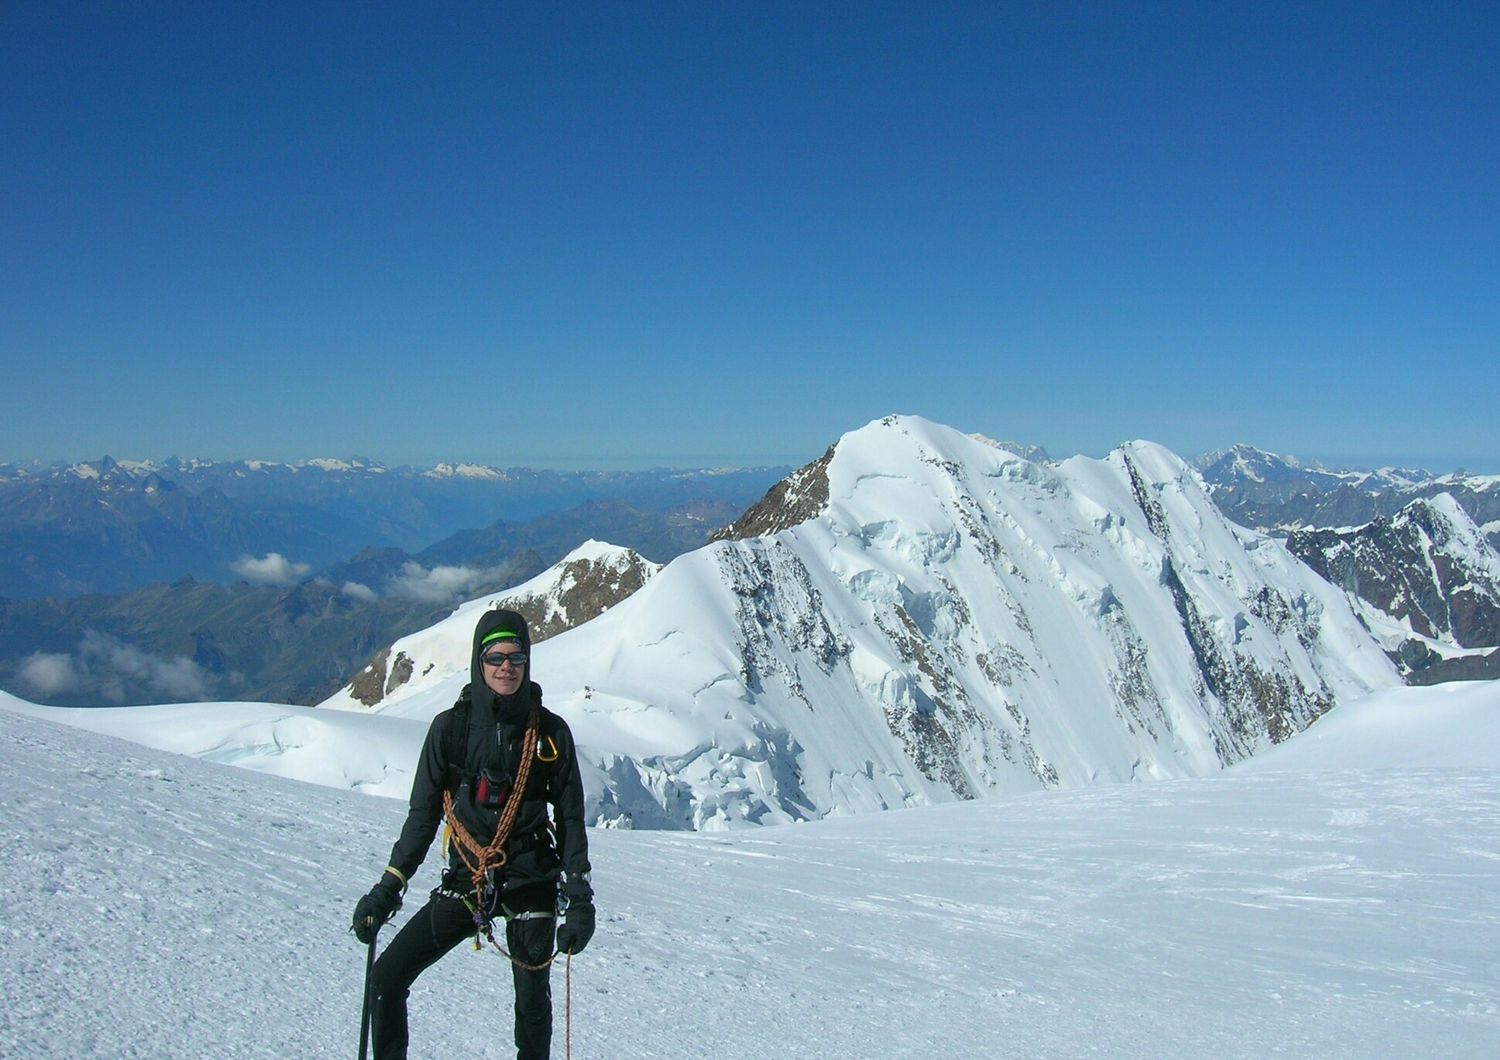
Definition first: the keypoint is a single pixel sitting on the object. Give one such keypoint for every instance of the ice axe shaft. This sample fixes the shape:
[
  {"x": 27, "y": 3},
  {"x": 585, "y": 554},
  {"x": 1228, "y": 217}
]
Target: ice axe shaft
[{"x": 364, "y": 1016}]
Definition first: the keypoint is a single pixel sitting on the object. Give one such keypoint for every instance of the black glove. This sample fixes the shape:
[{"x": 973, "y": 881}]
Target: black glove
[
  {"x": 578, "y": 920},
  {"x": 375, "y": 908}
]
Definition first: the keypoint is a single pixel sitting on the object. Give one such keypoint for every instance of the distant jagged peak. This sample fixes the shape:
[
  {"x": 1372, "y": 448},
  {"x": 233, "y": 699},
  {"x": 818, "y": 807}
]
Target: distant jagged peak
[
  {"x": 1241, "y": 464},
  {"x": 1467, "y": 480},
  {"x": 86, "y": 470},
  {"x": 1398, "y": 476},
  {"x": 479, "y": 472},
  {"x": 1247, "y": 463},
  {"x": 92, "y": 469},
  {"x": 1448, "y": 525},
  {"x": 1439, "y": 511},
  {"x": 353, "y": 463},
  {"x": 1425, "y": 574},
  {"x": 1441, "y": 503},
  {"x": 109, "y": 471},
  {"x": 188, "y": 464}
]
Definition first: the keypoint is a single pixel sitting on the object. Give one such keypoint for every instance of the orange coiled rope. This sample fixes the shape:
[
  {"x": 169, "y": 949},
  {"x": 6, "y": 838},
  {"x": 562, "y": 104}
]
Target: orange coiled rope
[{"x": 479, "y": 860}]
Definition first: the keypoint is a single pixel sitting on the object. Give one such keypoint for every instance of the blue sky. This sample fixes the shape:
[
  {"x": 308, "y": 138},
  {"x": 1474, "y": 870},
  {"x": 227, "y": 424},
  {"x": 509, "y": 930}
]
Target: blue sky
[{"x": 625, "y": 235}]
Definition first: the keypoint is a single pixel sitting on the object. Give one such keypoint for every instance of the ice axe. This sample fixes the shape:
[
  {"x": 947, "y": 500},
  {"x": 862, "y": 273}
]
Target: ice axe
[{"x": 364, "y": 1016}]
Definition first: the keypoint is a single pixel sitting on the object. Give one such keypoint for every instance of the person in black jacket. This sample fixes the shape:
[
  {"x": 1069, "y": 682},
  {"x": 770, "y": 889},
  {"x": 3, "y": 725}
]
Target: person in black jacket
[{"x": 491, "y": 764}]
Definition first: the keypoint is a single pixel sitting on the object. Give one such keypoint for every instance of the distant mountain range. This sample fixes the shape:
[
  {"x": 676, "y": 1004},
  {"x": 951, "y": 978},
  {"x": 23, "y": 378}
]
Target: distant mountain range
[
  {"x": 270, "y": 621},
  {"x": 1279, "y": 494},
  {"x": 288, "y": 630},
  {"x": 112, "y": 526}
]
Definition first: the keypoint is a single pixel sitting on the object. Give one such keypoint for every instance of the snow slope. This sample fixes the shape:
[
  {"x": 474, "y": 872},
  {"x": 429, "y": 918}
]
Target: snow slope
[
  {"x": 162, "y": 906},
  {"x": 374, "y": 755},
  {"x": 1455, "y": 725}
]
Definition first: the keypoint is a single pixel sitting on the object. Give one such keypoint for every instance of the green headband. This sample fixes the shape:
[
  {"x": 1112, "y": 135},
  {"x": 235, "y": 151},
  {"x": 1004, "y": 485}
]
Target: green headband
[{"x": 499, "y": 634}]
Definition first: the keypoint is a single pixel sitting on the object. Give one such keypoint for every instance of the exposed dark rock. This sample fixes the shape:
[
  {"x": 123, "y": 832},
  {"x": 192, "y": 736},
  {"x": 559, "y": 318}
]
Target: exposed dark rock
[
  {"x": 588, "y": 589},
  {"x": 1463, "y": 668},
  {"x": 368, "y": 685},
  {"x": 800, "y": 496},
  {"x": 400, "y": 672},
  {"x": 1417, "y": 566}
]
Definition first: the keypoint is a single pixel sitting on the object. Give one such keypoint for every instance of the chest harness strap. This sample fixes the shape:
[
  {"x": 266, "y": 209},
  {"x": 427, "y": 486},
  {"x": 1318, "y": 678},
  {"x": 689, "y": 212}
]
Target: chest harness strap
[{"x": 479, "y": 859}]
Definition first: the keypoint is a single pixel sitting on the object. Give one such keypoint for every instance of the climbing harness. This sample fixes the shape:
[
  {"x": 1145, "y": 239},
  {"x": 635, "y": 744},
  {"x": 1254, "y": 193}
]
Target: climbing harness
[
  {"x": 483, "y": 927},
  {"x": 481, "y": 861}
]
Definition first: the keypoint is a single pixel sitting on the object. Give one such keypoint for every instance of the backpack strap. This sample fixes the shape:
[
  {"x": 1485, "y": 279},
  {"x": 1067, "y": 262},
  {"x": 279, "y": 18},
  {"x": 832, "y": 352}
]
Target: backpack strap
[
  {"x": 455, "y": 755},
  {"x": 456, "y": 741}
]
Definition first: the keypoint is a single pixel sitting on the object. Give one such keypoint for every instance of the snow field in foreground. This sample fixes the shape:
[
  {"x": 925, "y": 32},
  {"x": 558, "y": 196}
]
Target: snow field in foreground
[{"x": 161, "y": 906}]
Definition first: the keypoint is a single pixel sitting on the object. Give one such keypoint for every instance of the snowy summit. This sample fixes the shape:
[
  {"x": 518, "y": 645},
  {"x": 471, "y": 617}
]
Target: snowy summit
[{"x": 920, "y": 617}]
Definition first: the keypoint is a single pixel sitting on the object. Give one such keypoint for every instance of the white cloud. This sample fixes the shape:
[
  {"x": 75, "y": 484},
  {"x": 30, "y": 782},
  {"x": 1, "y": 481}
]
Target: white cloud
[
  {"x": 105, "y": 669},
  {"x": 47, "y": 674},
  {"x": 441, "y": 584},
  {"x": 271, "y": 569},
  {"x": 125, "y": 668},
  {"x": 357, "y": 591}
]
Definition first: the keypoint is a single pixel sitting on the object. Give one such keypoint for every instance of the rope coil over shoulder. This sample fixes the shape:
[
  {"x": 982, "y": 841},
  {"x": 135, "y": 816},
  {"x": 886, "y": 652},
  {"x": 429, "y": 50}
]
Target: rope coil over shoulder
[{"x": 481, "y": 859}]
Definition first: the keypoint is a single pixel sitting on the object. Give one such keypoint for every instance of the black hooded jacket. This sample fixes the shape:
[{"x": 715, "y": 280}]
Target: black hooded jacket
[{"x": 496, "y": 727}]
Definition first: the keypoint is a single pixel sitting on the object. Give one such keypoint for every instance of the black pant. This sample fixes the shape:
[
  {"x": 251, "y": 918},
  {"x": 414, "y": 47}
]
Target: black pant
[{"x": 437, "y": 927}]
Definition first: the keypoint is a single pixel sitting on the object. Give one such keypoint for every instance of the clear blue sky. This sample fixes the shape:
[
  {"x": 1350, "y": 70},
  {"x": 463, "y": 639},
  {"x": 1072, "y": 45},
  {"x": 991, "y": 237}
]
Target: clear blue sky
[{"x": 630, "y": 234}]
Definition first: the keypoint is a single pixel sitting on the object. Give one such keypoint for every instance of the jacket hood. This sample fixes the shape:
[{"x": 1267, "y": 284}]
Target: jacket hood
[{"x": 514, "y": 707}]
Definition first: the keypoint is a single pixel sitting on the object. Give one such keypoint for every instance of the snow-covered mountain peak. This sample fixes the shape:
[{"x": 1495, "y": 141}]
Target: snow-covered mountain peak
[
  {"x": 481, "y": 472},
  {"x": 1246, "y": 463},
  {"x": 337, "y": 465},
  {"x": 1446, "y": 522},
  {"x": 582, "y": 585},
  {"x": 919, "y": 616},
  {"x": 892, "y": 454},
  {"x": 105, "y": 469}
]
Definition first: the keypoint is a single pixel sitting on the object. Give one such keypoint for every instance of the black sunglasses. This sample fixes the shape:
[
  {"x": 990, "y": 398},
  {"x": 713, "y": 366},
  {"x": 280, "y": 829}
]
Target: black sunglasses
[{"x": 500, "y": 658}]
